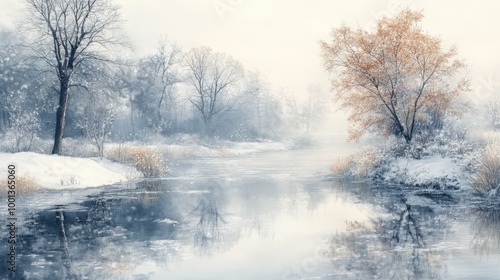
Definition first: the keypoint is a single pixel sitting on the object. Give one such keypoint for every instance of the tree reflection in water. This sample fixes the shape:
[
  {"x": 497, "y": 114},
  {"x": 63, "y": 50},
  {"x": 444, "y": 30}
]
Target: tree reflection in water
[
  {"x": 407, "y": 226},
  {"x": 486, "y": 230},
  {"x": 389, "y": 248},
  {"x": 108, "y": 236},
  {"x": 114, "y": 234},
  {"x": 210, "y": 231},
  {"x": 67, "y": 270}
]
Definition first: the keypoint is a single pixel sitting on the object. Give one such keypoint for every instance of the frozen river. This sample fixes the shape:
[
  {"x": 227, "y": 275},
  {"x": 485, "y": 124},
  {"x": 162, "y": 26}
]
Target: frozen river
[{"x": 274, "y": 215}]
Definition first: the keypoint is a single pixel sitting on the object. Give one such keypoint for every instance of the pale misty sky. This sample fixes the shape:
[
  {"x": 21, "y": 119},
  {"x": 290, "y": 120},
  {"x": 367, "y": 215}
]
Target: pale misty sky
[{"x": 280, "y": 37}]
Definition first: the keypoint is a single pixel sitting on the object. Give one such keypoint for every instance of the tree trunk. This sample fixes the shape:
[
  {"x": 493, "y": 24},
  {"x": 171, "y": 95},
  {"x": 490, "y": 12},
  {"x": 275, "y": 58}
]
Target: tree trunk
[
  {"x": 207, "y": 121},
  {"x": 65, "y": 257},
  {"x": 61, "y": 115},
  {"x": 5, "y": 116},
  {"x": 407, "y": 139}
]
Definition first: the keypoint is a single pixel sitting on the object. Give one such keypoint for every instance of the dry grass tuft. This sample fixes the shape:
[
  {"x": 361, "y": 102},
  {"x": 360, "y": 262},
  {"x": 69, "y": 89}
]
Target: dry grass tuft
[
  {"x": 24, "y": 186},
  {"x": 487, "y": 178},
  {"x": 342, "y": 165},
  {"x": 359, "y": 164},
  {"x": 223, "y": 151},
  {"x": 146, "y": 160}
]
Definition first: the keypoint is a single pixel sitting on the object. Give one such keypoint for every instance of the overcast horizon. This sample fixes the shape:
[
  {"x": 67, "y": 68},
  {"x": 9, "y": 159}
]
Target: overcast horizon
[{"x": 280, "y": 38}]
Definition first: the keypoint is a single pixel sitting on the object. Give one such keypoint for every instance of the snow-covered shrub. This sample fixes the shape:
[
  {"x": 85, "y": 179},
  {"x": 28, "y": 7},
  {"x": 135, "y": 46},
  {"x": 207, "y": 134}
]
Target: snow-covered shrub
[
  {"x": 78, "y": 147},
  {"x": 19, "y": 109},
  {"x": 487, "y": 177},
  {"x": 459, "y": 145},
  {"x": 450, "y": 142},
  {"x": 366, "y": 161},
  {"x": 96, "y": 123},
  {"x": 147, "y": 161},
  {"x": 22, "y": 132},
  {"x": 492, "y": 114}
]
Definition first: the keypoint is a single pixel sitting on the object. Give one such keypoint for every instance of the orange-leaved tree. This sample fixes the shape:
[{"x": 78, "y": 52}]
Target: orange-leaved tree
[{"x": 394, "y": 78}]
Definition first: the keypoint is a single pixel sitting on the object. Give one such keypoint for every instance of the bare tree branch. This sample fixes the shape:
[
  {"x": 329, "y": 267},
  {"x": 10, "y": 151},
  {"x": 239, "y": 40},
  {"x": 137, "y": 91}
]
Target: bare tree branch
[{"x": 67, "y": 34}]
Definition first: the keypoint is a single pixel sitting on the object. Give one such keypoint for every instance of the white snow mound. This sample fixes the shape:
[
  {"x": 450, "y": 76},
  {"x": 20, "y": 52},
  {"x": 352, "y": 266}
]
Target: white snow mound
[
  {"x": 426, "y": 170},
  {"x": 61, "y": 172}
]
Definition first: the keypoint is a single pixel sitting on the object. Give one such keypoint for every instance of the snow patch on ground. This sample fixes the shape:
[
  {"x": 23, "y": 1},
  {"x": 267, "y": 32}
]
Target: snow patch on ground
[
  {"x": 61, "y": 172},
  {"x": 432, "y": 171}
]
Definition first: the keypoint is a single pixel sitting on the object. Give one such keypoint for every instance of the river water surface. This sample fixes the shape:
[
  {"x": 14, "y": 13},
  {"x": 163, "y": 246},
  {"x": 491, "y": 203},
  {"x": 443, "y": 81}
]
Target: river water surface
[{"x": 276, "y": 215}]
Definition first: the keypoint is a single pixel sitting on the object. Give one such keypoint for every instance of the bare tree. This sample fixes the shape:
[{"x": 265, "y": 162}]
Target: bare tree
[
  {"x": 255, "y": 88},
  {"x": 272, "y": 116},
  {"x": 21, "y": 95},
  {"x": 166, "y": 61},
  {"x": 68, "y": 33},
  {"x": 98, "y": 118},
  {"x": 314, "y": 107},
  {"x": 294, "y": 114},
  {"x": 157, "y": 77},
  {"x": 214, "y": 77}
]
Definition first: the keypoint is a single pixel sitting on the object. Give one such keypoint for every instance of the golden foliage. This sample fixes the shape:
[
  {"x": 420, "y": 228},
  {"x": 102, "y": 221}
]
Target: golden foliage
[{"x": 387, "y": 78}]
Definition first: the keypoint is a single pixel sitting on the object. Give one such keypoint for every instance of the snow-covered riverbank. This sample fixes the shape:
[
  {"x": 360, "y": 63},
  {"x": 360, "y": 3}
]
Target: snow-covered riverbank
[
  {"x": 81, "y": 168},
  {"x": 61, "y": 172},
  {"x": 430, "y": 172},
  {"x": 466, "y": 163}
]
